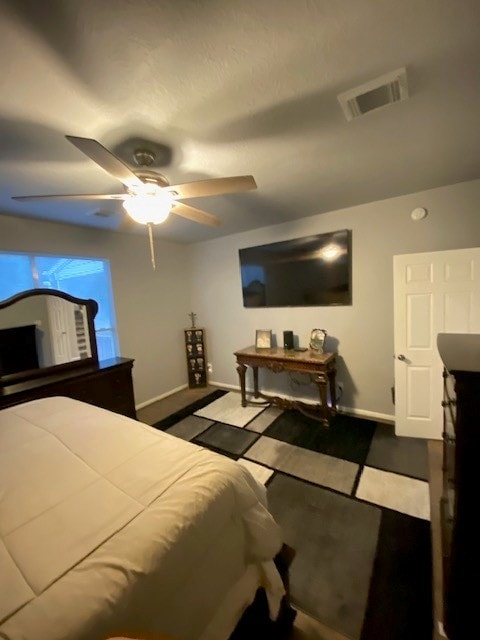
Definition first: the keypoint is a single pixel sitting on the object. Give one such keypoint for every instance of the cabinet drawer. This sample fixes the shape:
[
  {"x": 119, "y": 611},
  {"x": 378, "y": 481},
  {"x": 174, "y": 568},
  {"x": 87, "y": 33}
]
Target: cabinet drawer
[
  {"x": 109, "y": 386},
  {"x": 111, "y": 389}
]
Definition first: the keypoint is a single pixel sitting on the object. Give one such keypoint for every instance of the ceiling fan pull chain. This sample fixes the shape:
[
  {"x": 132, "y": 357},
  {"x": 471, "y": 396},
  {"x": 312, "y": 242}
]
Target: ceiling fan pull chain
[{"x": 152, "y": 250}]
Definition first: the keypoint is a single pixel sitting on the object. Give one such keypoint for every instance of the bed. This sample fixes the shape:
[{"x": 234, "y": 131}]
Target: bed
[{"x": 109, "y": 527}]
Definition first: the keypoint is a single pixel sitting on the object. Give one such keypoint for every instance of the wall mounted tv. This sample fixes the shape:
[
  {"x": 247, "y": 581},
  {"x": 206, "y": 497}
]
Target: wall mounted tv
[{"x": 311, "y": 271}]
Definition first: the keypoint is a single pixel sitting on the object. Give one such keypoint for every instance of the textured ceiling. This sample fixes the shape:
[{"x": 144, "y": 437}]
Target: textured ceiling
[{"x": 229, "y": 88}]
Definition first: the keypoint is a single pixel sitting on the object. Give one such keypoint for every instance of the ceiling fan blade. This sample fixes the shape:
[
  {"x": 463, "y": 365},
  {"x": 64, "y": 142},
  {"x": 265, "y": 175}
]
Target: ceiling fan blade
[
  {"x": 197, "y": 215},
  {"x": 105, "y": 159},
  {"x": 78, "y": 196},
  {"x": 213, "y": 187}
]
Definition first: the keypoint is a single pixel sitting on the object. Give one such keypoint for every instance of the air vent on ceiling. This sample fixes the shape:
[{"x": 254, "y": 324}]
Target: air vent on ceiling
[{"x": 387, "y": 89}]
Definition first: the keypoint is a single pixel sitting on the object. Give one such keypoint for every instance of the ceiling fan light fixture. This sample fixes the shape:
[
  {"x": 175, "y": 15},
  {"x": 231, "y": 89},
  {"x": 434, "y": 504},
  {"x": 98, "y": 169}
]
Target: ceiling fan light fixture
[
  {"x": 149, "y": 209},
  {"x": 149, "y": 198}
]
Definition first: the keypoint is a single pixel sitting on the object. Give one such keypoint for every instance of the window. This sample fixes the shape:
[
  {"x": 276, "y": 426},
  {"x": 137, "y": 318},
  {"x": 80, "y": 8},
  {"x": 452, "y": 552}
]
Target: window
[{"x": 80, "y": 277}]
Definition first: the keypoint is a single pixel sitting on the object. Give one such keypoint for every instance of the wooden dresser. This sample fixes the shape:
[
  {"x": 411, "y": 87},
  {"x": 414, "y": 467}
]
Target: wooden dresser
[
  {"x": 461, "y": 445},
  {"x": 107, "y": 384},
  {"x": 61, "y": 359},
  {"x": 461, "y": 559}
]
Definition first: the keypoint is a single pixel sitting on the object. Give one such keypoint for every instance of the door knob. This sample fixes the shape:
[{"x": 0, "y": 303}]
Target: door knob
[{"x": 401, "y": 357}]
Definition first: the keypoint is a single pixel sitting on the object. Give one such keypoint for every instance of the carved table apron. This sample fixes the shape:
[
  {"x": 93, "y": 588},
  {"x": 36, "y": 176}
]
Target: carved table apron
[{"x": 320, "y": 365}]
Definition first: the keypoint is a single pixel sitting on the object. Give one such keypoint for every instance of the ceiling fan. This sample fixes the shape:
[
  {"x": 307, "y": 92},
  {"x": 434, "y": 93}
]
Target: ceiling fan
[{"x": 148, "y": 197}]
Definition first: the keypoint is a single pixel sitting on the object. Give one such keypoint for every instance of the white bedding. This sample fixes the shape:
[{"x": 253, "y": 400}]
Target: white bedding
[{"x": 109, "y": 526}]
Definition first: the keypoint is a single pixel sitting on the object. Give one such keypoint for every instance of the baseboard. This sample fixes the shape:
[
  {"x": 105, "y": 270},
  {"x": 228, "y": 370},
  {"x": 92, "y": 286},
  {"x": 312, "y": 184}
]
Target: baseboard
[
  {"x": 142, "y": 405},
  {"x": 359, "y": 413},
  {"x": 233, "y": 387},
  {"x": 371, "y": 415}
]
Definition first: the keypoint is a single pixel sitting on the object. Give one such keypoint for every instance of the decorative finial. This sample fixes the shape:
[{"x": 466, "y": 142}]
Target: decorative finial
[{"x": 192, "y": 317}]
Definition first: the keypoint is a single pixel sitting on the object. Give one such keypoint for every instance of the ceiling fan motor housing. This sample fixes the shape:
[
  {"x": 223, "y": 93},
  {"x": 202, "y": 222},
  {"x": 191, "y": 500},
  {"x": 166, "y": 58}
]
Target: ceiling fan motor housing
[
  {"x": 143, "y": 157},
  {"x": 149, "y": 186},
  {"x": 151, "y": 177}
]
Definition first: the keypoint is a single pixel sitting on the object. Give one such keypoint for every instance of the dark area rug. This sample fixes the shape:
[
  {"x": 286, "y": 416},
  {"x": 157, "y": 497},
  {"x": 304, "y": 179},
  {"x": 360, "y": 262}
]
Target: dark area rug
[
  {"x": 335, "y": 538},
  {"x": 189, "y": 409},
  {"x": 407, "y": 456},
  {"x": 360, "y": 568},
  {"x": 347, "y": 438},
  {"x": 400, "y": 596},
  {"x": 227, "y": 439}
]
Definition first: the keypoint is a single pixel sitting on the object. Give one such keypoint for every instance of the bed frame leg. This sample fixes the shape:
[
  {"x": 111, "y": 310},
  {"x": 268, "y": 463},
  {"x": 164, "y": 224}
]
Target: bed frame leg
[
  {"x": 256, "y": 622},
  {"x": 286, "y": 616}
]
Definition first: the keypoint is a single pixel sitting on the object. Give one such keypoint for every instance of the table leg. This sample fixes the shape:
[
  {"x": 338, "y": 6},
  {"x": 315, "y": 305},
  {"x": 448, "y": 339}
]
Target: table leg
[
  {"x": 241, "y": 374},
  {"x": 255, "y": 382},
  {"x": 333, "y": 388},
  {"x": 322, "y": 381}
]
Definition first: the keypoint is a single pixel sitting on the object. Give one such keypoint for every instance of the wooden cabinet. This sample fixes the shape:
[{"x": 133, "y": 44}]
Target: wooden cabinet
[
  {"x": 196, "y": 355},
  {"x": 447, "y": 501},
  {"x": 107, "y": 384},
  {"x": 460, "y": 548},
  {"x": 70, "y": 367}
]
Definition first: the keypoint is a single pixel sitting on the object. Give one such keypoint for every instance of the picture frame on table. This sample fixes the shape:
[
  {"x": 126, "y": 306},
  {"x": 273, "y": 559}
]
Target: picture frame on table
[
  {"x": 263, "y": 339},
  {"x": 317, "y": 340}
]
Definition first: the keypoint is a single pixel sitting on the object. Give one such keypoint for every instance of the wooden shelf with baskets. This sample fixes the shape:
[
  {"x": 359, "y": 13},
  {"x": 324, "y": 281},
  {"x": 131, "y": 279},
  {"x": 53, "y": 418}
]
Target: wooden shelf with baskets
[{"x": 196, "y": 356}]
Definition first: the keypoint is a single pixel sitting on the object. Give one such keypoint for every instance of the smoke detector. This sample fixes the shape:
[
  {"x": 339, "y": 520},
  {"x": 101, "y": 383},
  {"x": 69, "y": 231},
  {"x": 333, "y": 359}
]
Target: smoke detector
[
  {"x": 419, "y": 214},
  {"x": 387, "y": 89}
]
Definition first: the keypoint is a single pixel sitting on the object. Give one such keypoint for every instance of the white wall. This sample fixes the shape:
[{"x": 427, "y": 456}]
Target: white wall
[
  {"x": 363, "y": 332},
  {"x": 151, "y": 306}
]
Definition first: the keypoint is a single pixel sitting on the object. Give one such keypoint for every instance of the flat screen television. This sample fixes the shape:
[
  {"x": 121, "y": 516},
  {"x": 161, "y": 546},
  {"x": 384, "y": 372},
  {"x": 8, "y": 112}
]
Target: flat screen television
[
  {"x": 18, "y": 349},
  {"x": 310, "y": 271}
]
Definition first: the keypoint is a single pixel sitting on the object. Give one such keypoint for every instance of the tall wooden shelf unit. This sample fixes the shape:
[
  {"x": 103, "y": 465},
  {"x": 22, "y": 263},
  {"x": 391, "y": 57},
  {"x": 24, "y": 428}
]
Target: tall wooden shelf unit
[{"x": 195, "y": 353}]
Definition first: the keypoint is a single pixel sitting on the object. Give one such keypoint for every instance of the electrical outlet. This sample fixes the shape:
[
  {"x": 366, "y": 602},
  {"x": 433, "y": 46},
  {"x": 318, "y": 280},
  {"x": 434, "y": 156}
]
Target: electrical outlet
[{"x": 209, "y": 367}]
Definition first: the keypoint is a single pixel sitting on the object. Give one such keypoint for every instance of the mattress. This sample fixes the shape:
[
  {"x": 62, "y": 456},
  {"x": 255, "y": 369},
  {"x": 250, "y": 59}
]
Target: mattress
[{"x": 110, "y": 527}]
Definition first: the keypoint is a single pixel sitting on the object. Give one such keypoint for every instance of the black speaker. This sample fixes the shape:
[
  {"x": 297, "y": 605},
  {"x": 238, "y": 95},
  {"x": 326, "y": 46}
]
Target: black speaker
[{"x": 288, "y": 339}]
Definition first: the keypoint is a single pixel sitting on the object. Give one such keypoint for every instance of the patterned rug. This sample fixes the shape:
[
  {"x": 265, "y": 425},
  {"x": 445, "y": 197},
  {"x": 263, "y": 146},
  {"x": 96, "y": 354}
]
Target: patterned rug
[{"x": 352, "y": 500}]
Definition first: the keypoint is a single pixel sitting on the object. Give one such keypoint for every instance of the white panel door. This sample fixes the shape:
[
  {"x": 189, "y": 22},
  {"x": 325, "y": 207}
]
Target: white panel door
[
  {"x": 62, "y": 330},
  {"x": 433, "y": 293}
]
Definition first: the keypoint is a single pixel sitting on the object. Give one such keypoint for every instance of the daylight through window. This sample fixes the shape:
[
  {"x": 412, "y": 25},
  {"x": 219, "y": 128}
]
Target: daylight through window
[{"x": 80, "y": 277}]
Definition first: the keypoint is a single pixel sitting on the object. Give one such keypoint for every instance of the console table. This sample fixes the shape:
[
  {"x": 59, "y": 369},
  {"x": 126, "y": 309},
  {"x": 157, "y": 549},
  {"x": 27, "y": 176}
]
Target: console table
[{"x": 320, "y": 365}]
